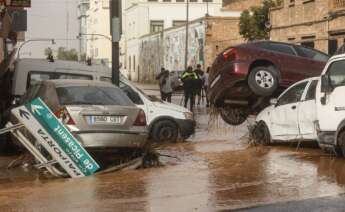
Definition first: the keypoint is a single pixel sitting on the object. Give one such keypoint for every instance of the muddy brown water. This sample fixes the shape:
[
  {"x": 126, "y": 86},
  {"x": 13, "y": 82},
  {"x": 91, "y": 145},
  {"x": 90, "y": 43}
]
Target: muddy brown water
[{"x": 214, "y": 170}]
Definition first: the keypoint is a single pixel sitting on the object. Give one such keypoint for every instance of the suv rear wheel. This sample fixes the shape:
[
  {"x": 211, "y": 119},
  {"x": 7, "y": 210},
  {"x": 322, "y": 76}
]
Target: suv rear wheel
[
  {"x": 234, "y": 115},
  {"x": 263, "y": 80}
]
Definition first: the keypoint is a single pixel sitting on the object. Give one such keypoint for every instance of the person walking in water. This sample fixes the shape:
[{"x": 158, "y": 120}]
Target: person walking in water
[
  {"x": 160, "y": 79},
  {"x": 189, "y": 79},
  {"x": 199, "y": 83},
  {"x": 166, "y": 87}
]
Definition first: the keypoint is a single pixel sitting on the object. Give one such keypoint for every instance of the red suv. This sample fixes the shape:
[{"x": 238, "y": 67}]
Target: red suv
[{"x": 244, "y": 77}]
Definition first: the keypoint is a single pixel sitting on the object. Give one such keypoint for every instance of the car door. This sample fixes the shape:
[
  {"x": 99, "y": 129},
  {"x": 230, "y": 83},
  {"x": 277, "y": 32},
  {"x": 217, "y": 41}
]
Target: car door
[
  {"x": 284, "y": 117},
  {"x": 307, "y": 112}
]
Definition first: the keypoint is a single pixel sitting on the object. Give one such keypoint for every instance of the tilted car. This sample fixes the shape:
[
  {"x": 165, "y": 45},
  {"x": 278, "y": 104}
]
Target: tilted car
[
  {"x": 243, "y": 77},
  {"x": 97, "y": 113}
]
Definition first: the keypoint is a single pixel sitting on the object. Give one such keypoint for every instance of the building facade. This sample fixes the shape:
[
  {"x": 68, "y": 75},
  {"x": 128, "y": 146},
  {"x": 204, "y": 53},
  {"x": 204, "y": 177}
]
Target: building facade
[
  {"x": 207, "y": 37},
  {"x": 313, "y": 23},
  {"x": 98, "y": 38}
]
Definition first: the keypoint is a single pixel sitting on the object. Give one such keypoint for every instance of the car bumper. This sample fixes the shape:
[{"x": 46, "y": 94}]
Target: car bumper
[
  {"x": 224, "y": 80},
  {"x": 89, "y": 139},
  {"x": 187, "y": 127}
]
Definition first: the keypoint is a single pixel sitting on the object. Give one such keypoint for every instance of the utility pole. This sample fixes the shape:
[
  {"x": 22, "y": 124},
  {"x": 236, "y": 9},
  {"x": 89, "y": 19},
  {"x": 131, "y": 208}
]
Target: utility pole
[
  {"x": 115, "y": 27},
  {"x": 187, "y": 30}
]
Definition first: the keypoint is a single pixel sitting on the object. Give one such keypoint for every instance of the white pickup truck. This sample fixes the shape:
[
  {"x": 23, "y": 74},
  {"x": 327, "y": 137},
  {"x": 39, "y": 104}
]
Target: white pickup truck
[{"x": 312, "y": 109}]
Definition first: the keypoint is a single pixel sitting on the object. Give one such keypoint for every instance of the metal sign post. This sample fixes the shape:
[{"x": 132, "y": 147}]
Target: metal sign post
[{"x": 55, "y": 138}]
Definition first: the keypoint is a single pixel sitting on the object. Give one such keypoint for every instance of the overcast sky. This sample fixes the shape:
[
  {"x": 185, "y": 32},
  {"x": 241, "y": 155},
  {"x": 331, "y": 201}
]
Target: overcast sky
[{"x": 48, "y": 19}]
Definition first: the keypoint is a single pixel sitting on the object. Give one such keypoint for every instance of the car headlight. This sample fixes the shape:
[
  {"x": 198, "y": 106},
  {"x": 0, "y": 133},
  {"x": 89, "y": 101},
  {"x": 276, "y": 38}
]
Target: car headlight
[{"x": 188, "y": 115}]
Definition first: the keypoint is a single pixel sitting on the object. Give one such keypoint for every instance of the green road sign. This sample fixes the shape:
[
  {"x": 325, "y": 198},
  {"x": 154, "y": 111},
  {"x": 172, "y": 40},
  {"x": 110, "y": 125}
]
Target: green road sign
[{"x": 62, "y": 136}]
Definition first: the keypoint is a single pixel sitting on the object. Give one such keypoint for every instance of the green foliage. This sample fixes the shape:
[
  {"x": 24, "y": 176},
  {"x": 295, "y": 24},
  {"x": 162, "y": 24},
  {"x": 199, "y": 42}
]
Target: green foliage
[
  {"x": 64, "y": 54},
  {"x": 48, "y": 51},
  {"x": 253, "y": 21}
]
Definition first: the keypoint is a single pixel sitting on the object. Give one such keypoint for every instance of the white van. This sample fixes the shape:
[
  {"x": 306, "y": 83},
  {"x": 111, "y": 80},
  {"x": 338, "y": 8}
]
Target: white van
[
  {"x": 29, "y": 71},
  {"x": 166, "y": 121},
  {"x": 330, "y": 104}
]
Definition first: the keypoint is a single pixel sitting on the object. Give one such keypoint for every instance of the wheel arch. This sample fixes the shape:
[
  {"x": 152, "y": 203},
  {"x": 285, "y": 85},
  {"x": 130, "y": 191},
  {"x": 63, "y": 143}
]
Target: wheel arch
[
  {"x": 162, "y": 118},
  {"x": 267, "y": 63},
  {"x": 340, "y": 128}
]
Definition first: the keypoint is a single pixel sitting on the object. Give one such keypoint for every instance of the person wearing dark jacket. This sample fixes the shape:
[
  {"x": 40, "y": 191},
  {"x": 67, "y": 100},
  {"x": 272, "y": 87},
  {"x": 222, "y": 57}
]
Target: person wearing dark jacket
[
  {"x": 199, "y": 83},
  {"x": 190, "y": 82},
  {"x": 160, "y": 78}
]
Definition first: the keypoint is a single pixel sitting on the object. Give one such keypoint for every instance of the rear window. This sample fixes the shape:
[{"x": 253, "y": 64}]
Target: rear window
[
  {"x": 312, "y": 54},
  {"x": 92, "y": 95}
]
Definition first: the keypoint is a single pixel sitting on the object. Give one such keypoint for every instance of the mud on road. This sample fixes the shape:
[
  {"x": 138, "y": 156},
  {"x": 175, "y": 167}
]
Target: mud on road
[{"x": 214, "y": 170}]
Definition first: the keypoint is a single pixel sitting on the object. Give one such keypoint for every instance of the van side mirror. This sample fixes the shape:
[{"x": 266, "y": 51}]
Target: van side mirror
[
  {"x": 273, "y": 102},
  {"x": 325, "y": 84}
]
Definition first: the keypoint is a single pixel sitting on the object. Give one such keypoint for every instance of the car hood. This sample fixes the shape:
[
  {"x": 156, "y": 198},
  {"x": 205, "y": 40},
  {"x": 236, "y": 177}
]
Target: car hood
[{"x": 169, "y": 106}]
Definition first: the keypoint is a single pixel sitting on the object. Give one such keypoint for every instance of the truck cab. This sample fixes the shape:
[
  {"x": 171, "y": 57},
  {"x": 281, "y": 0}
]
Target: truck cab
[{"x": 330, "y": 104}]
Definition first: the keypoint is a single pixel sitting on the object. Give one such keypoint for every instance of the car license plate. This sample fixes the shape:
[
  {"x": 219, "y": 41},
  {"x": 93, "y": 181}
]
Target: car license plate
[{"x": 106, "y": 119}]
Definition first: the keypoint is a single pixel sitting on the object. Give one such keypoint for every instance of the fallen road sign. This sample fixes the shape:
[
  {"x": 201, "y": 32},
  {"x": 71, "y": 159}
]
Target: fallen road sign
[{"x": 55, "y": 138}]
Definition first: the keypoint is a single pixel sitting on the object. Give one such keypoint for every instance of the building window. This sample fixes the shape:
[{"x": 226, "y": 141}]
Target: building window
[
  {"x": 156, "y": 26},
  {"x": 332, "y": 46},
  {"x": 308, "y": 41},
  {"x": 207, "y": 0},
  {"x": 178, "y": 23},
  {"x": 179, "y": 0}
]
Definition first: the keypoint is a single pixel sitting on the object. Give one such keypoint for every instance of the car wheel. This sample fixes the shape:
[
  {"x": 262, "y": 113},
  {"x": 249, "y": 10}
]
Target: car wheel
[
  {"x": 234, "y": 115},
  {"x": 261, "y": 134},
  {"x": 263, "y": 80},
  {"x": 165, "y": 131},
  {"x": 341, "y": 142}
]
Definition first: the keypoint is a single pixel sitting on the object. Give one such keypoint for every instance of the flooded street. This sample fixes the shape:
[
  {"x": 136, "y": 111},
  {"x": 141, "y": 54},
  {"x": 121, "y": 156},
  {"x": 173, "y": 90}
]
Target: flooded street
[{"x": 214, "y": 170}]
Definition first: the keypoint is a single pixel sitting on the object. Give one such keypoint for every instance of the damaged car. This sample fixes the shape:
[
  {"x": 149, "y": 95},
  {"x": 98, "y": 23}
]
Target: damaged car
[
  {"x": 97, "y": 113},
  {"x": 243, "y": 78},
  {"x": 291, "y": 117},
  {"x": 313, "y": 109}
]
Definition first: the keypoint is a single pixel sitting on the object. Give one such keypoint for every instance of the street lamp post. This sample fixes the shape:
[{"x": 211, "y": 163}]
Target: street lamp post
[
  {"x": 33, "y": 40},
  {"x": 115, "y": 29},
  {"x": 187, "y": 30},
  {"x": 101, "y": 35}
]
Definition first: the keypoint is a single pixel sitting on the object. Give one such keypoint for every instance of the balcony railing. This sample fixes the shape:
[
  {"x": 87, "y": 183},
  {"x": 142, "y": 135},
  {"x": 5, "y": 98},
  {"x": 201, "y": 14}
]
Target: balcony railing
[{"x": 337, "y": 4}]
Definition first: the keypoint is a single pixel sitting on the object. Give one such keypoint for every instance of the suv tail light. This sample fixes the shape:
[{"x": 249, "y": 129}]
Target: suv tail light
[
  {"x": 141, "y": 119},
  {"x": 230, "y": 54},
  {"x": 64, "y": 116}
]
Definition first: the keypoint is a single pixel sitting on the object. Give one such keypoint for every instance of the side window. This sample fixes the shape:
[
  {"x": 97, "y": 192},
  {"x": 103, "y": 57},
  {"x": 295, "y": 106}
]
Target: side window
[
  {"x": 73, "y": 76},
  {"x": 277, "y": 47},
  {"x": 311, "y": 54},
  {"x": 134, "y": 96},
  {"x": 336, "y": 73},
  {"x": 106, "y": 79},
  {"x": 293, "y": 95},
  {"x": 36, "y": 77},
  {"x": 311, "y": 91}
]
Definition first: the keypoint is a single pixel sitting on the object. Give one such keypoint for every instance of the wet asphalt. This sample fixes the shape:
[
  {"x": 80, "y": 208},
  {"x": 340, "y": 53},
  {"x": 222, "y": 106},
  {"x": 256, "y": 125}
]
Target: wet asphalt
[{"x": 217, "y": 169}]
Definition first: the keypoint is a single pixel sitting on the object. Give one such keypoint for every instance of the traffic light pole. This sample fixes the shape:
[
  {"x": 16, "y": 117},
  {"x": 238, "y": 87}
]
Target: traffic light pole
[{"x": 115, "y": 27}]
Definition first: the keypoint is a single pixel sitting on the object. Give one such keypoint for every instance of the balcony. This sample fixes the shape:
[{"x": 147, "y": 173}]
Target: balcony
[{"x": 336, "y": 5}]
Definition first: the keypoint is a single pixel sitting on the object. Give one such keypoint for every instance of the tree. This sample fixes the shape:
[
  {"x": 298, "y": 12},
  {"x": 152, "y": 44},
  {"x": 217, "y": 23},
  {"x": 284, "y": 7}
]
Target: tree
[
  {"x": 48, "y": 51},
  {"x": 64, "y": 54},
  {"x": 253, "y": 22}
]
